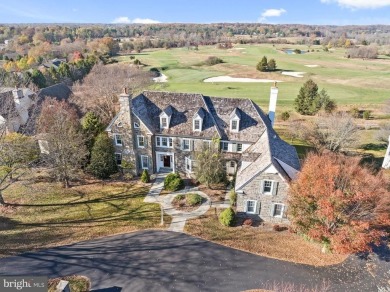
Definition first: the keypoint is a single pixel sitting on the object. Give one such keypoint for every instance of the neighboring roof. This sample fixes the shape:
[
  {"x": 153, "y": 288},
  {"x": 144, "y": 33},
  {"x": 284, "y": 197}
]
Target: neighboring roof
[
  {"x": 60, "y": 91},
  {"x": 7, "y": 104}
]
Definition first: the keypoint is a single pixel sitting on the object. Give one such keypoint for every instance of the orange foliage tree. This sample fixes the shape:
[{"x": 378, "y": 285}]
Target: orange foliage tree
[{"x": 339, "y": 203}]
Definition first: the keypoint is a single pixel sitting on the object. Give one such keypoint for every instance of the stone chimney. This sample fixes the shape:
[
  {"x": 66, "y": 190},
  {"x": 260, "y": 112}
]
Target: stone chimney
[
  {"x": 17, "y": 93},
  {"x": 125, "y": 101},
  {"x": 272, "y": 103}
]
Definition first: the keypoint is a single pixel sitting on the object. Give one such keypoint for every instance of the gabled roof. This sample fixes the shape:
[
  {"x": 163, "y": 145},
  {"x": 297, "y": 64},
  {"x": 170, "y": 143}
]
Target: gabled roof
[
  {"x": 168, "y": 111},
  {"x": 236, "y": 113},
  {"x": 199, "y": 113},
  {"x": 272, "y": 151},
  {"x": 59, "y": 91}
]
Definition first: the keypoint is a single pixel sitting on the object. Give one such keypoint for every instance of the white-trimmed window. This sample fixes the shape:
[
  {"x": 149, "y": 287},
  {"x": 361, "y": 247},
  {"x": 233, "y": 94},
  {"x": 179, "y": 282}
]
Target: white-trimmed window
[
  {"x": 267, "y": 188},
  {"x": 136, "y": 125},
  {"x": 119, "y": 125},
  {"x": 197, "y": 124},
  {"x": 144, "y": 162},
  {"x": 278, "y": 210},
  {"x": 207, "y": 144},
  {"x": 234, "y": 125},
  {"x": 186, "y": 144},
  {"x": 165, "y": 142},
  {"x": 118, "y": 140},
  {"x": 239, "y": 147},
  {"x": 118, "y": 158},
  {"x": 224, "y": 146},
  {"x": 188, "y": 164},
  {"x": 141, "y": 141},
  {"x": 164, "y": 122},
  {"x": 251, "y": 206}
]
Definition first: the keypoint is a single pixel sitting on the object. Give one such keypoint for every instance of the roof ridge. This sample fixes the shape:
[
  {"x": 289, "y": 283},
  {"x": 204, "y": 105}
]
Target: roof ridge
[{"x": 212, "y": 116}]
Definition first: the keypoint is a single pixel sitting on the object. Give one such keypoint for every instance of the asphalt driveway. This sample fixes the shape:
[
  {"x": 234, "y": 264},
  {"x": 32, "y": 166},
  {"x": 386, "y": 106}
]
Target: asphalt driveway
[{"x": 169, "y": 261}]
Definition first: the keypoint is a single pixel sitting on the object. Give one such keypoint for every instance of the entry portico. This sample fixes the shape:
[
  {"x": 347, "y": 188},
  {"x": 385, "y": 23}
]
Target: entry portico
[{"x": 165, "y": 160}]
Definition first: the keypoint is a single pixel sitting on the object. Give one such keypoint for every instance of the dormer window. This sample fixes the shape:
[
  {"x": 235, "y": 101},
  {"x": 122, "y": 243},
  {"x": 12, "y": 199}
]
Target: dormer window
[
  {"x": 198, "y": 120},
  {"x": 165, "y": 117},
  {"x": 164, "y": 123},
  {"x": 235, "y": 118}
]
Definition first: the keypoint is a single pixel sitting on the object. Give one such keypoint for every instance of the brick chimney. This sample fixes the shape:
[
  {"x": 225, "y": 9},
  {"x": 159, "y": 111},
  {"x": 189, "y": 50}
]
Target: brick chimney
[{"x": 272, "y": 103}]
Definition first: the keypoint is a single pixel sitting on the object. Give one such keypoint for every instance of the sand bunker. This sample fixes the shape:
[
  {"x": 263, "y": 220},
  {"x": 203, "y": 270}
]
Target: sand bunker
[
  {"x": 238, "y": 49},
  {"x": 161, "y": 78},
  {"x": 234, "y": 79},
  {"x": 294, "y": 74},
  {"x": 311, "y": 66}
]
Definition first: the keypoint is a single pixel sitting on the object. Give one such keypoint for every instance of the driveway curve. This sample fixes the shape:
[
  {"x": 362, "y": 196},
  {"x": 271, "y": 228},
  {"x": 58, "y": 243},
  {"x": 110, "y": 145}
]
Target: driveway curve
[{"x": 170, "y": 261}]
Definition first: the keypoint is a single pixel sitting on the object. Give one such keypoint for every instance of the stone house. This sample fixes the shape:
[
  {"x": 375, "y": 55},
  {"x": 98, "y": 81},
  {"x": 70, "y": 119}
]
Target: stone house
[{"x": 162, "y": 131}]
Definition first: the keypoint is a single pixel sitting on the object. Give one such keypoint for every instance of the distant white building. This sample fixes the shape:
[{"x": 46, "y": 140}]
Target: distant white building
[{"x": 386, "y": 160}]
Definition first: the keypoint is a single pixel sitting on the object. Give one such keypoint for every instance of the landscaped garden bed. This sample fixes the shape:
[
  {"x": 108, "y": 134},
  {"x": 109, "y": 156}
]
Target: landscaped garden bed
[
  {"x": 261, "y": 240},
  {"x": 187, "y": 202}
]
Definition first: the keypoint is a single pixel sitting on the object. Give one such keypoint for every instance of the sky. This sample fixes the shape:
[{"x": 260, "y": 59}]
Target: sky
[{"x": 332, "y": 12}]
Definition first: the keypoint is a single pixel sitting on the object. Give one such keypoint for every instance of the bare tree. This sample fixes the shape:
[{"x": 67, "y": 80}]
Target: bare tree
[
  {"x": 64, "y": 144},
  {"x": 98, "y": 92},
  {"x": 296, "y": 129},
  {"x": 333, "y": 132}
]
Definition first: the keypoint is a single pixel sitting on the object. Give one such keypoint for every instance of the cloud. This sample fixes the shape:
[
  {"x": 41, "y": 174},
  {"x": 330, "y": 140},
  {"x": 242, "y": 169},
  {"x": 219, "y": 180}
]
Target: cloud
[
  {"x": 360, "y": 4},
  {"x": 125, "y": 19},
  {"x": 272, "y": 13}
]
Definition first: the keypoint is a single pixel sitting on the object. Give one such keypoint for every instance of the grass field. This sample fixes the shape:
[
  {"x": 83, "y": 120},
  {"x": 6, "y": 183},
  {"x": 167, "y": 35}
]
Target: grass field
[
  {"x": 42, "y": 214},
  {"x": 351, "y": 82}
]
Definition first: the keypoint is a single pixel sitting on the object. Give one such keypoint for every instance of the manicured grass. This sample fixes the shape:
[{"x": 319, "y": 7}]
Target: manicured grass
[
  {"x": 43, "y": 214},
  {"x": 349, "y": 81},
  {"x": 279, "y": 245}
]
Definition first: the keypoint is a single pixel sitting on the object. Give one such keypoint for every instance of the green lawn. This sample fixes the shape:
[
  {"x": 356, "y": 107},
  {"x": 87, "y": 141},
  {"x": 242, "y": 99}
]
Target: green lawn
[
  {"x": 43, "y": 214},
  {"x": 352, "y": 82}
]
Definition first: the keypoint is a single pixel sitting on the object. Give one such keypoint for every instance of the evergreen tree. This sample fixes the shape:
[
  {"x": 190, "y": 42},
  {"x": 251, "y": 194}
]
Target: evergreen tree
[
  {"x": 306, "y": 98},
  {"x": 272, "y": 65},
  {"x": 92, "y": 126},
  {"x": 145, "y": 177},
  {"x": 38, "y": 79},
  {"x": 103, "y": 162},
  {"x": 262, "y": 65}
]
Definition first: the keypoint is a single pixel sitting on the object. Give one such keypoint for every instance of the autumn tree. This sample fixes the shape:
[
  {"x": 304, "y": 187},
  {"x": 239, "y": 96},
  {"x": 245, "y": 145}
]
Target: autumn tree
[
  {"x": 339, "y": 203},
  {"x": 98, "y": 92},
  {"x": 64, "y": 141},
  {"x": 333, "y": 132},
  {"x": 17, "y": 155},
  {"x": 210, "y": 164}
]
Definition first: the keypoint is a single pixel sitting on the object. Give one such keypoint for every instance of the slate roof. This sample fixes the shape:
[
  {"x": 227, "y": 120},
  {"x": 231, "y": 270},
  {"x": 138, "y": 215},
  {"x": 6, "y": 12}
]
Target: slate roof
[
  {"x": 216, "y": 112},
  {"x": 60, "y": 91},
  {"x": 270, "y": 149}
]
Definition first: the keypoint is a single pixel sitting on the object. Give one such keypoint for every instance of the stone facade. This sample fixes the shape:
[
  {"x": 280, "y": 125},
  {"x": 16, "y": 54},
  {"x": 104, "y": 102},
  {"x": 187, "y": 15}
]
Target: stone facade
[
  {"x": 157, "y": 132},
  {"x": 265, "y": 202}
]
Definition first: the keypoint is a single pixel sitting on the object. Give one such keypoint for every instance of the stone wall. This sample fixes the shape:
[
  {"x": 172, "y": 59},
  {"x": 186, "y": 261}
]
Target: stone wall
[{"x": 253, "y": 191}]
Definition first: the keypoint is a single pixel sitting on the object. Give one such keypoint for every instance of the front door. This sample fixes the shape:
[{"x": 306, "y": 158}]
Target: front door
[{"x": 167, "y": 161}]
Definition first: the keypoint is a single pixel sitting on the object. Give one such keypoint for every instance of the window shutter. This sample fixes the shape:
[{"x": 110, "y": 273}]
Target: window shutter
[
  {"x": 272, "y": 210},
  {"x": 274, "y": 187},
  {"x": 234, "y": 147},
  {"x": 284, "y": 214},
  {"x": 245, "y": 206},
  {"x": 262, "y": 186},
  {"x": 140, "y": 162},
  {"x": 258, "y": 207}
]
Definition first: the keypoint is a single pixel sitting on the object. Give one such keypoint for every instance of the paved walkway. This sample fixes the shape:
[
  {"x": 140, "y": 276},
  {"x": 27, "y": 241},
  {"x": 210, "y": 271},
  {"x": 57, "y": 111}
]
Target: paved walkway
[{"x": 179, "y": 218}]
